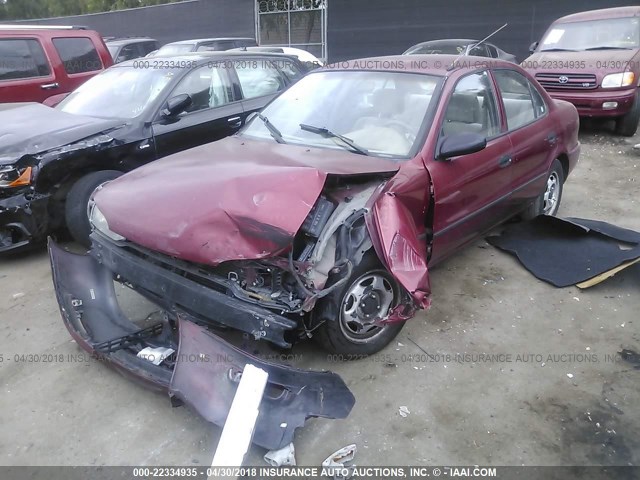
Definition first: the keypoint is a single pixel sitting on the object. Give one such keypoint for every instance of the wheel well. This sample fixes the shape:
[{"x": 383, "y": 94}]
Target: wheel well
[{"x": 564, "y": 161}]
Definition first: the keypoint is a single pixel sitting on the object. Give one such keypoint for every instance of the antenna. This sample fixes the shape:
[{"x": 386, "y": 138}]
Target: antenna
[{"x": 471, "y": 47}]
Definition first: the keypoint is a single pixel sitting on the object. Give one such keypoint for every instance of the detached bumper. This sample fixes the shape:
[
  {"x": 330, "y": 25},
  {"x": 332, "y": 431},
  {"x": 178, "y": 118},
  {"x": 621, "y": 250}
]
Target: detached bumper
[
  {"x": 204, "y": 372},
  {"x": 23, "y": 220}
]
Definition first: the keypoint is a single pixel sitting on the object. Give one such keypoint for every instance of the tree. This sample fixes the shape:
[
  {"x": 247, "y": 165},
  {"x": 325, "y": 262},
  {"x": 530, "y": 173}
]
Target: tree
[{"x": 34, "y": 9}]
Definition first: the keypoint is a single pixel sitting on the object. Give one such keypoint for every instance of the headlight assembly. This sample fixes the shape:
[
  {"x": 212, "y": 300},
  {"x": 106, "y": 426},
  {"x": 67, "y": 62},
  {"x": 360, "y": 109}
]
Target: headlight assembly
[
  {"x": 14, "y": 177},
  {"x": 617, "y": 80},
  {"x": 99, "y": 222}
]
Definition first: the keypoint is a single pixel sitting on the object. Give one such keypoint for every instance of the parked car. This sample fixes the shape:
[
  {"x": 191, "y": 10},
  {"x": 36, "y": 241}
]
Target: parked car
[
  {"x": 592, "y": 59},
  {"x": 460, "y": 46},
  {"x": 322, "y": 217},
  {"x": 135, "y": 112},
  {"x": 204, "y": 45},
  {"x": 123, "y": 49},
  {"x": 37, "y": 62},
  {"x": 307, "y": 58}
]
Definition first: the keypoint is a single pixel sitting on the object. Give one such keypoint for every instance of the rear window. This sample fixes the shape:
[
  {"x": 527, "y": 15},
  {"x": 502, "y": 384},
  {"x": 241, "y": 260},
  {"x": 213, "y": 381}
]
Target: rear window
[
  {"x": 78, "y": 54},
  {"x": 22, "y": 58}
]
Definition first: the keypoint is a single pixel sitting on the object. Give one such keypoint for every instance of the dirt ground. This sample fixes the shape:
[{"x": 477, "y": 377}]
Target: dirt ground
[{"x": 559, "y": 394}]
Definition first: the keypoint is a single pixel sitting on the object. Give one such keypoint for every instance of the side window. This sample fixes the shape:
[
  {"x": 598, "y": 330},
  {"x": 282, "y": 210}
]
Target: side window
[
  {"x": 128, "y": 52},
  {"x": 290, "y": 70},
  {"x": 479, "y": 51},
  {"x": 207, "y": 86},
  {"x": 538, "y": 101},
  {"x": 148, "y": 47},
  {"x": 472, "y": 107},
  {"x": 517, "y": 98},
  {"x": 77, "y": 54},
  {"x": 258, "y": 78},
  {"x": 22, "y": 58},
  {"x": 493, "y": 51}
]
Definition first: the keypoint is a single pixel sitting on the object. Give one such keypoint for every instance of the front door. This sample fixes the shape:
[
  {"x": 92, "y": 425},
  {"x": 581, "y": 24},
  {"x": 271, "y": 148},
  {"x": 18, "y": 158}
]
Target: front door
[
  {"x": 471, "y": 191},
  {"x": 214, "y": 112}
]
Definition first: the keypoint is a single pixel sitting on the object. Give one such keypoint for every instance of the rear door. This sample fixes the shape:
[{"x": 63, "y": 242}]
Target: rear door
[
  {"x": 471, "y": 191},
  {"x": 215, "y": 111},
  {"x": 532, "y": 132},
  {"x": 26, "y": 73},
  {"x": 80, "y": 61}
]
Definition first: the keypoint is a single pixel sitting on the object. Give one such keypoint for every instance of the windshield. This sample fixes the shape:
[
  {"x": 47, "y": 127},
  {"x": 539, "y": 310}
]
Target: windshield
[
  {"x": 118, "y": 92},
  {"x": 380, "y": 113},
  {"x": 611, "y": 33},
  {"x": 175, "y": 49}
]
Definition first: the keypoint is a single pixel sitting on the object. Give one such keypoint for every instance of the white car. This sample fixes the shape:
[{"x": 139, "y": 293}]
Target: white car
[{"x": 302, "y": 55}]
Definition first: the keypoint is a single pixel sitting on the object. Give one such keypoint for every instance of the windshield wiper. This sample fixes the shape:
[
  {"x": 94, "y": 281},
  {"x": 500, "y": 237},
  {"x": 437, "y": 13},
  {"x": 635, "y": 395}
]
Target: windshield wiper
[
  {"x": 607, "y": 47},
  {"x": 558, "y": 50},
  {"x": 275, "y": 133},
  {"x": 325, "y": 132}
]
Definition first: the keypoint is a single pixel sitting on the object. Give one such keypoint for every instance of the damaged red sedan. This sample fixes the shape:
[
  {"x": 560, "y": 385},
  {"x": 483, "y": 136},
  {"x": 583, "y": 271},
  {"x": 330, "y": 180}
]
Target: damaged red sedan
[{"x": 320, "y": 219}]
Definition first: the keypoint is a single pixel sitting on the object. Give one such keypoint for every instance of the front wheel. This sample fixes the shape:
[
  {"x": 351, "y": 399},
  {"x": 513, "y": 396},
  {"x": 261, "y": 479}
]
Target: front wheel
[
  {"x": 628, "y": 124},
  {"x": 78, "y": 200},
  {"x": 349, "y": 313},
  {"x": 548, "y": 202}
]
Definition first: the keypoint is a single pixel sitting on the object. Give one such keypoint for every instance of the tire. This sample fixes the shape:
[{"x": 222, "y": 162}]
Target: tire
[
  {"x": 628, "y": 124},
  {"x": 337, "y": 332},
  {"x": 553, "y": 189},
  {"x": 78, "y": 200}
]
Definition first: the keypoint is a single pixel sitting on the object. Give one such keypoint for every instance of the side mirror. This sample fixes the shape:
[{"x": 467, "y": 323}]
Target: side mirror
[
  {"x": 532, "y": 47},
  {"x": 177, "y": 104},
  {"x": 460, "y": 144}
]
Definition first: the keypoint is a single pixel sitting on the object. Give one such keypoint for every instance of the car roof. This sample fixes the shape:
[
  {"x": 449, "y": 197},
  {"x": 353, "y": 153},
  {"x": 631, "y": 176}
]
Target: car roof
[
  {"x": 213, "y": 39},
  {"x": 601, "y": 14},
  {"x": 207, "y": 56},
  {"x": 127, "y": 41},
  {"x": 431, "y": 64},
  {"x": 447, "y": 40}
]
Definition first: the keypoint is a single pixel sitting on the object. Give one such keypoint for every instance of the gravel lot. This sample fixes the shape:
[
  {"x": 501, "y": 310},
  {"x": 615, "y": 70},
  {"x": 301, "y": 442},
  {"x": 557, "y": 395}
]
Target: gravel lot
[{"x": 560, "y": 396}]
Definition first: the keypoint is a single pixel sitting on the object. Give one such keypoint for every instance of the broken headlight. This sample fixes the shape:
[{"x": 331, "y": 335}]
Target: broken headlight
[
  {"x": 99, "y": 222},
  {"x": 14, "y": 177}
]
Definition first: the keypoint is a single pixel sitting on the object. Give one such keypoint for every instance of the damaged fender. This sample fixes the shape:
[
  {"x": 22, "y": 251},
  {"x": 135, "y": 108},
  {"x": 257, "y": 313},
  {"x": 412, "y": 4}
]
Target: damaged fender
[
  {"x": 398, "y": 240},
  {"x": 206, "y": 369}
]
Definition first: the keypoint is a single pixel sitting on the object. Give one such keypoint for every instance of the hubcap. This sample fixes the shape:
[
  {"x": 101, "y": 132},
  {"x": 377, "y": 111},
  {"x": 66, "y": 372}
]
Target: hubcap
[
  {"x": 551, "y": 194},
  {"x": 367, "y": 300}
]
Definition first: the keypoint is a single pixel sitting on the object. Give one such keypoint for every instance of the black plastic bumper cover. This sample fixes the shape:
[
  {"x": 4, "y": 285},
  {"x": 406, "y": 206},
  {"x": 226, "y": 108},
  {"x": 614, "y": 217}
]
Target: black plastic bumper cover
[{"x": 207, "y": 367}]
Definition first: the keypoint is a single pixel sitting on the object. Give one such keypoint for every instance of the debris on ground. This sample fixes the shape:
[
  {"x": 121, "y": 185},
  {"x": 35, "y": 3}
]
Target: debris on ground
[
  {"x": 335, "y": 464},
  {"x": 286, "y": 456},
  {"x": 572, "y": 251},
  {"x": 403, "y": 411}
]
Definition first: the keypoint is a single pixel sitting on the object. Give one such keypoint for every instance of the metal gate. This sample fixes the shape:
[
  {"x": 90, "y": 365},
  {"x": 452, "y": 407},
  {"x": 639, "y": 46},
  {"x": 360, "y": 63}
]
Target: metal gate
[{"x": 293, "y": 23}]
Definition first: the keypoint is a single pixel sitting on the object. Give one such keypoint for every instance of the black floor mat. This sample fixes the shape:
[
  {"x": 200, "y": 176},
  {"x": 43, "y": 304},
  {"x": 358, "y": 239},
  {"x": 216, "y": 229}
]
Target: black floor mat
[{"x": 565, "y": 252}]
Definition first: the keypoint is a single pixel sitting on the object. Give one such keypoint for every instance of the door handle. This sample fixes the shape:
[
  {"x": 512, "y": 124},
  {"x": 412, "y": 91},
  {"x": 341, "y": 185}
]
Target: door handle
[
  {"x": 552, "y": 138},
  {"x": 235, "y": 121},
  {"x": 505, "y": 161},
  {"x": 49, "y": 86}
]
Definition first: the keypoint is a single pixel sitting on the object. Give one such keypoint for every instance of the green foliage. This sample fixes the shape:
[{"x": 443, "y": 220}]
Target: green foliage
[{"x": 28, "y": 9}]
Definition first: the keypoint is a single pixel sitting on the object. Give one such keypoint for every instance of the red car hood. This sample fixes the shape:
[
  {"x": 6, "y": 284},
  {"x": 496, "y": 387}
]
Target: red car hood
[
  {"x": 229, "y": 200},
  {"x": 597, "y": 62}
]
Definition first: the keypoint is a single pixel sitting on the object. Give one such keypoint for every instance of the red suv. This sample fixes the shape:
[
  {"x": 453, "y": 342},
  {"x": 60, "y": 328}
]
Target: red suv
[
  {"x": 40, "y": 62},
  {"x": 592, "y": 59}
]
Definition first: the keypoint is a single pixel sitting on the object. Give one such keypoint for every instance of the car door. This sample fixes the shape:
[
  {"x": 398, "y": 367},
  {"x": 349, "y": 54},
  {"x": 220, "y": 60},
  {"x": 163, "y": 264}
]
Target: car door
[
  {"x": 214, "y": 113},
  {"x": 260, "y": 81},
  {"x": 532, "y": 133},
  {"x": 471, "y": 191},
  {"x": 80, "y": 61},
  {"x": 26, "y": 74}
]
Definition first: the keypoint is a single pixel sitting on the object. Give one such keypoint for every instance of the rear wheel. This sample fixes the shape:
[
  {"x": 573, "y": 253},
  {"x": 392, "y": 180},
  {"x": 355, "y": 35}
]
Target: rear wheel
[
  {"x": 548, "y": 202},
  {"x": 77, "y": 201},
  {"x": 628, "y": 124},
  {"x": 349, "y": 313}
]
